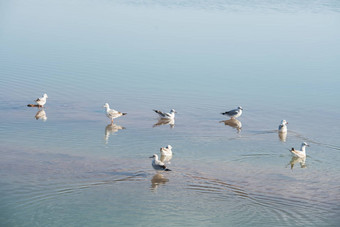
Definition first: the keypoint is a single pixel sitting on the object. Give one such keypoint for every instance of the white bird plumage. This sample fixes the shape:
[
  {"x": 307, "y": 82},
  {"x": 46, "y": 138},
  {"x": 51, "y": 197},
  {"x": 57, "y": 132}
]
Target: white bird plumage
[
  {"x": 157, "y": 164},
  {"x": 166, "y": 150},
  {"x": 170, "y": 115},
  {"x": 283, "y": 126},
  {"x": 42, "y": 100},
  {"x": 301, "y": 153},
  {"x": 111, "y": 113},
  {"x": 234, "y": 113},
  {"x": 166, "y": 154}
]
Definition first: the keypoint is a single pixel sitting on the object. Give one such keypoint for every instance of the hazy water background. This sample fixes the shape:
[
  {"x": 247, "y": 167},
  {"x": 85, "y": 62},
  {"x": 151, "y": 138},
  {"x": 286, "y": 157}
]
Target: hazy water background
[{"x": 277, "y": 60}]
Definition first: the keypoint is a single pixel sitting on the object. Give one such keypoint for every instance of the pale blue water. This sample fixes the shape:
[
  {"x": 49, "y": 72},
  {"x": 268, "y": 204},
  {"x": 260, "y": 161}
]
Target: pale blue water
[{"x": 277, "y": 60}]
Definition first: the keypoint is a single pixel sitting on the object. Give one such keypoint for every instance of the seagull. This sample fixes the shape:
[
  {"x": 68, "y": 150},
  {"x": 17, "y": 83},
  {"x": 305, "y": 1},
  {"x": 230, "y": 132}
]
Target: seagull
[
  {"x": 111, "y": 113},
  {"x": 41, "y": 101},
  {"x": 234, "y": 113},
  {"x": 157, "y": 164},
  {"x": 300, "y": 154},
  {"x": 166, "y": 151},
  {"x": 170, "y": 115},
  {"x": 283, "y": 126},
  {"x": 166, "y": 154}
]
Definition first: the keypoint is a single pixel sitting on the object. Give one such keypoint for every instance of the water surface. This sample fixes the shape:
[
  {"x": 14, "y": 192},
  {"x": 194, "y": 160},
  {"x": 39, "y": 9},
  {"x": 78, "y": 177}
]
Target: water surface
[{"x": 278, "y": 61}]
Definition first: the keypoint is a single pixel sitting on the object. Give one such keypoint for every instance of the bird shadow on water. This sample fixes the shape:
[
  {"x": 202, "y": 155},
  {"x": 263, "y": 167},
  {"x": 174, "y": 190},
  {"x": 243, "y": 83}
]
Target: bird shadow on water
[
  {"x": 41, "y": 115},
  {"x": 234, "y": 123},
  {"x": 296, "y": 160},
  {"x": 111, "y": 129},
  {"x": 157, "y": 180},
  {"x": 164, "y": 121}
]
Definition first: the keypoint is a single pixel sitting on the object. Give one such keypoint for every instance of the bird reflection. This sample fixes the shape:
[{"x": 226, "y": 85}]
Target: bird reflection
[
  {"x": 157, "y": 180},
  {"x": 110, "y": 129},
  {"x": 165, "y": 121},
  {"x": 41, "y": 114},
  {"x": 234, "y": 123},
  {"x": 295, "y": 160},
  {"x": 282, "y": 136}
]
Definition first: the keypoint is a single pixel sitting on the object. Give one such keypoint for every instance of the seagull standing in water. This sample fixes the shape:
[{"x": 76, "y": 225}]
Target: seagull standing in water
[
  {"x": 157, "y": 164},
  {"x": 234, "y": 113},
  {"x": 170, "y": 115},
  {"x": 166, "y": 151},
  {"x": 41, "y": 101},
  {"x": 301, "y": 153},
  {"x": 283, "y": 126},
  {"x": 111, "y": 113},
  {"x": 166, "y": 154}
]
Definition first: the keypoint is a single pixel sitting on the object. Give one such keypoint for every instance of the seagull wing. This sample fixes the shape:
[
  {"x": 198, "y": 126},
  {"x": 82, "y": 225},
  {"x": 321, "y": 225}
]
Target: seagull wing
[
  {"x": 167, "y": 114},
  {"x": 113, "y": 113},
  {"x": 232, "y": 112},
  {"x": 293, "y": 151},
  {"x": 161, "y": 113}
]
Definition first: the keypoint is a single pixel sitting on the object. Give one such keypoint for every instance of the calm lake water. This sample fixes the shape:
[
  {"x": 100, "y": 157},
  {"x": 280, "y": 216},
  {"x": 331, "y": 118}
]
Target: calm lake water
[{"x": 276, "y": 60}]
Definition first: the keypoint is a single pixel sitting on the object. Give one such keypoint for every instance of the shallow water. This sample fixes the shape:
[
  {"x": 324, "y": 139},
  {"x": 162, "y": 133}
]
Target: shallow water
[{"x": 278, "y": 61}]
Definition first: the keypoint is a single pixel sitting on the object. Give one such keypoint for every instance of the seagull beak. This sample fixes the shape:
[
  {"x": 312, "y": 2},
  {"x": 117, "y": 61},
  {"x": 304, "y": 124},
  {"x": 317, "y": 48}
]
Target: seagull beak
[{"x": 151, "y": 157}]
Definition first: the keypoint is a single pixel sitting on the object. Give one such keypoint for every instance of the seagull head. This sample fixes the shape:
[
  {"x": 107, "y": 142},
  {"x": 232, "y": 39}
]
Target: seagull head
[
  {"x": 154, "y": 156},
  {"x": 284, "y": 122},
  {"x": 169, "y": 147},
  {"x": 305, "y": 144},
  {"x": 45, "y": 95},
  {"x": 173, "y": 111},
  {"x": 240, "y": 108},
  {"x": 106, "y": 105}
]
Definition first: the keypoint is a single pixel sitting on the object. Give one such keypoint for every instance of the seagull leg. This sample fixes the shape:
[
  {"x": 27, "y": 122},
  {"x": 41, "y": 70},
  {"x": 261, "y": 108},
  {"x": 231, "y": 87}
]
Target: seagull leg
[{"x": 111, "y": 121}]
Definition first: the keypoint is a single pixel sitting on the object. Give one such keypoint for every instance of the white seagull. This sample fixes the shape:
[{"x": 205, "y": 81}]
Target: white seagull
[
  {"x": 301, "y": 153},
  {"x": 111, "y": 113},
  {"x": 157, "y": 164},
  {"x": 283, "y": 126},
  {"x": 170, "y": 115},
  {"x": 41, "y": 101},
  {"x": 166, "y": 154},
  {"x": 234, "y": 113},
  {"x": 166, "y": 151}
]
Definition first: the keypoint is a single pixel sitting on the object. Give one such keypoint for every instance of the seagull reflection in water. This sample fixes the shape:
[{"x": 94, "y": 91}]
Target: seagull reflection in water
[
  {"x": 157, "y": 180},
  {"x": 234, "y": 123},
  {"x": 296, "y": 160},
  {"x": 41, "y": 114},
  {"x": 164, "y": 121},
  {"x": 110, "y": 129},
  {"x": 283, "y": 136}
]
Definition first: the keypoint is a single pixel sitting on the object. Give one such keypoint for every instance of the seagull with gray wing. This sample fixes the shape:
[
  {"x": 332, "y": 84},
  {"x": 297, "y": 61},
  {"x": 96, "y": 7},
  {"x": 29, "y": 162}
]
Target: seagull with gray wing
[
  {"x": 111, "y": 113},
  {"x": 163, "y": 115},
  {"x": 234, "y": 113},
  {"x": 157, "y": 164}
]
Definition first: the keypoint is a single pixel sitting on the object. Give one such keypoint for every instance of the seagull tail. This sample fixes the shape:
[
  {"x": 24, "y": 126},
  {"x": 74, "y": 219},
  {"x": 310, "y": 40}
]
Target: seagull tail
[
  {"x": 167, "y": 170},
  {"x": 124, "y": 113},
  {"x": 32, "y": 105}
]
